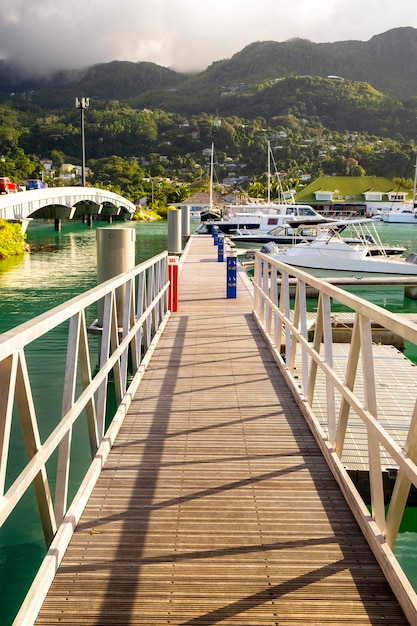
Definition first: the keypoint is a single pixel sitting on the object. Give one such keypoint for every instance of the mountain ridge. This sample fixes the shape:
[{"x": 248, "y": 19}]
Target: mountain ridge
[{"x": 387, "y": 61}]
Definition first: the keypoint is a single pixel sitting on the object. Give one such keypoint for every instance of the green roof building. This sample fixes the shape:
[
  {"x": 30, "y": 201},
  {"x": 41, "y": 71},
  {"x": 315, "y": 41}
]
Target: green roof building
[{"x": 347, "y": 195}]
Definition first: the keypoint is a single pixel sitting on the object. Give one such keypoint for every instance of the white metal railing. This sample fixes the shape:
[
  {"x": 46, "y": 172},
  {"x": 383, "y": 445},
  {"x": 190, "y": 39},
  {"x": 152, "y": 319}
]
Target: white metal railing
[
  {"x": 348, "y": 390},
  {"x": 134, "y": 311}
]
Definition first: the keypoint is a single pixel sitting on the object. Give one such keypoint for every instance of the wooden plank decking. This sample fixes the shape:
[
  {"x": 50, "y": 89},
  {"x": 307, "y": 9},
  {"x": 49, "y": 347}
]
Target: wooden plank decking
[{"x": 215, "y": 505}]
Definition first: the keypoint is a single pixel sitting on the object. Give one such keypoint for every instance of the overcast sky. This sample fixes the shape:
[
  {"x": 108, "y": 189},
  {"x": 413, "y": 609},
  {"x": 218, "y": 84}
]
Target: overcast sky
[{"x": 185, "y": 35}]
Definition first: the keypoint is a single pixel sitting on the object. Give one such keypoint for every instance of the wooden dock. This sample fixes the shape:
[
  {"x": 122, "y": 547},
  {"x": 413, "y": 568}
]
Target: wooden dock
[{"x": 215, "y": 505}]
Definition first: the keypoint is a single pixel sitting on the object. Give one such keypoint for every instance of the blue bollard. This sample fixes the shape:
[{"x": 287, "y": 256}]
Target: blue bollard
[
  {"x": 215, "y": 234},
  {"x": 220, "y": 249},
  {"x": 231, "y": 276}
]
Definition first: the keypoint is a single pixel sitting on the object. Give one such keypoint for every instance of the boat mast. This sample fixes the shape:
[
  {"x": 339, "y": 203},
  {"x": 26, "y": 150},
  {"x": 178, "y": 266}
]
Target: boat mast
[
  {"x": 211, "y": 175},
  {"x": 269, "y": 172},
  {"x": 281, "y": 196}
]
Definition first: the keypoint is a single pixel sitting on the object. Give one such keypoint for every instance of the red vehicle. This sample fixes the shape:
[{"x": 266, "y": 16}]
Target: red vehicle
[{"x": 7, "y": 186}]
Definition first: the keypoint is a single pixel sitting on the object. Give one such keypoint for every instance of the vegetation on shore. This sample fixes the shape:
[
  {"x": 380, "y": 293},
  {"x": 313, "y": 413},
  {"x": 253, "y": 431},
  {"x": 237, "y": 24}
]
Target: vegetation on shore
[
  {"x": 146, "y": 215},
  {"x": 12, "y": 240},
  {"x": 328, "y": 110}
]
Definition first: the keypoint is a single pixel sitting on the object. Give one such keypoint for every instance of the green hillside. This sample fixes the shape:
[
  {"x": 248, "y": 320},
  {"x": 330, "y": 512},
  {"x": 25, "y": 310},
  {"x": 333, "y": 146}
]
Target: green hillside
[
  {"x": 387, "y": 61},
  {"x": 332, "y": 109}
]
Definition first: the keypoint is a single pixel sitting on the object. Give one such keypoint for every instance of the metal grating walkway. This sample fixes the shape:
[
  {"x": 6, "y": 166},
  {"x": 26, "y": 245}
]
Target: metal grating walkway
[{"x": 215, "y": 505}]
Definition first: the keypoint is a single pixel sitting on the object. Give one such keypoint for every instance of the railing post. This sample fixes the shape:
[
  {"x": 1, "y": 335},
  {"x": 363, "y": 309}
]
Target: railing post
[{"x": 257, "y": 282}]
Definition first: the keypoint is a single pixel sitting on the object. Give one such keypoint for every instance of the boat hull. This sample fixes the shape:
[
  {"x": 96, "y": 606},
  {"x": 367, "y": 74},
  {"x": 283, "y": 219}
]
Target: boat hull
[
  {"x": 249, "y": 241},
  {"x": 226, "y": 227},
  {"x": 401, "y": 218},
  {"x": 321, "y": 266}
]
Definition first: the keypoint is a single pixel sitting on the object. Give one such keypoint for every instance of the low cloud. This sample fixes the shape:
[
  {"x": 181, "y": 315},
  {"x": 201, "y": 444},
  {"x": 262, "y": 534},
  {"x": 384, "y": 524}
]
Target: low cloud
[{"x": 41, "y": 37}]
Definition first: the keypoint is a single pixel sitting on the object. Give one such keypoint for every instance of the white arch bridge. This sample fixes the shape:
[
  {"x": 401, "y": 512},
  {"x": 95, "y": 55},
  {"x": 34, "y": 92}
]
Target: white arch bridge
[{"x": 64, "y": 203}]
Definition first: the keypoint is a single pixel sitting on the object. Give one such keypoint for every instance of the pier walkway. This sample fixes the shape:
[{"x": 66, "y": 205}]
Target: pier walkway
[{"x": 215, "y": 505}]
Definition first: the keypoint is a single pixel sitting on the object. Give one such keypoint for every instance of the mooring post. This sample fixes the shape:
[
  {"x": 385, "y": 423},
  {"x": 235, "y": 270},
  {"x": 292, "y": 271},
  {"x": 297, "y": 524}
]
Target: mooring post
[
  {"x": 174, "y": 231},
  {"x": 220, "y": 249},
  {"x": 231, "y": 274},
  {"x": 173, "y": 283},
  {"x": 115, "y": 255},
  {"x": 185, "y": 222},
  {"x": 215, "y": 234}
]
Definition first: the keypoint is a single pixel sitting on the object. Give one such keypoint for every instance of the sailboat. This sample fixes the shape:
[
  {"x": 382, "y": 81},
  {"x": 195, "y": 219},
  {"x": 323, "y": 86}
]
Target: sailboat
[
  {"x": 407, "y": 212},
  {"x": 265, "y": 216},
  {"x": 211, "y": 212}
]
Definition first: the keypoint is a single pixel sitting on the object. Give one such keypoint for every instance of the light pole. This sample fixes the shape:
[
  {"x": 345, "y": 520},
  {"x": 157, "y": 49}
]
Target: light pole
[{"x": 82, "y": 103}]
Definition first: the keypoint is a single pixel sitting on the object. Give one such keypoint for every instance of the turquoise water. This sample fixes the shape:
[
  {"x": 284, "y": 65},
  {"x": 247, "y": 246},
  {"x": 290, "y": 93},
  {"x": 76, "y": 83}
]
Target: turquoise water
[{"x": 63, "y": 266}]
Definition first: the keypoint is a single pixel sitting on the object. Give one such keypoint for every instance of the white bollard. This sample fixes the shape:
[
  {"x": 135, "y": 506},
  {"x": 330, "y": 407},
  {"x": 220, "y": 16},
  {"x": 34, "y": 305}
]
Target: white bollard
[
  {"x": 185, "y": 221},
  {"x": 174, "y": 231},
  {"x": 115, "y": 255}
]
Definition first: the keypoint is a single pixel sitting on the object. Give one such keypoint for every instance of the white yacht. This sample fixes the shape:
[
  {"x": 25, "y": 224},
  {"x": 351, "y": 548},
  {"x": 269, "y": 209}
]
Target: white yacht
[
  {"x": 329, "y": 255},
  {"x": 259, "y": 216}
]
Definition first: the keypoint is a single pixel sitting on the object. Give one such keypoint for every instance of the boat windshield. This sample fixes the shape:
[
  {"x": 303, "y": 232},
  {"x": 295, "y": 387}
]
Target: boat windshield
[
  {"x": 292, "y": 231},
  {"x": 301, "y": 210}
]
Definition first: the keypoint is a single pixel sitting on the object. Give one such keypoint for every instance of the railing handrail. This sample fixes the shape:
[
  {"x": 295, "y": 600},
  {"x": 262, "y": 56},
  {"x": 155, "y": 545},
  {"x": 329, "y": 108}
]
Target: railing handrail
[
  {"x": 123, "y": 350},
  {"x": 24, "y": 204},
  {"x": 301, "y": 358},
  {"x": 18, "y": 337}
]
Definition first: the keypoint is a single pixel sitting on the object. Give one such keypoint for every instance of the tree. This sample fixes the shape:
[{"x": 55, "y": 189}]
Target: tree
[{"x": 352, "y": 168}]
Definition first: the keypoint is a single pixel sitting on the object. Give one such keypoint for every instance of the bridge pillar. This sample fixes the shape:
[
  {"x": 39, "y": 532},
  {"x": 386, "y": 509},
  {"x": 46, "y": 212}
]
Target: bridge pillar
[
  {"x": 410, "y": 291},
  {"x": 57, "y": 224},
  {"x": 115, "y": 255}
]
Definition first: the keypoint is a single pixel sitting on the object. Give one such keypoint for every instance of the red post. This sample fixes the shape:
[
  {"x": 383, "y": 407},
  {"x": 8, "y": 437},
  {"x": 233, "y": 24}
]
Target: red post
[{"x": 173, "y": 284}]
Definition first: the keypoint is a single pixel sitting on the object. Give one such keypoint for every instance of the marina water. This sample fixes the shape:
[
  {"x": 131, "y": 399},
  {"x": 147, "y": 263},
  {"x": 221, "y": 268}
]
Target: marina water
[{"x": 61, "y": 266}]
